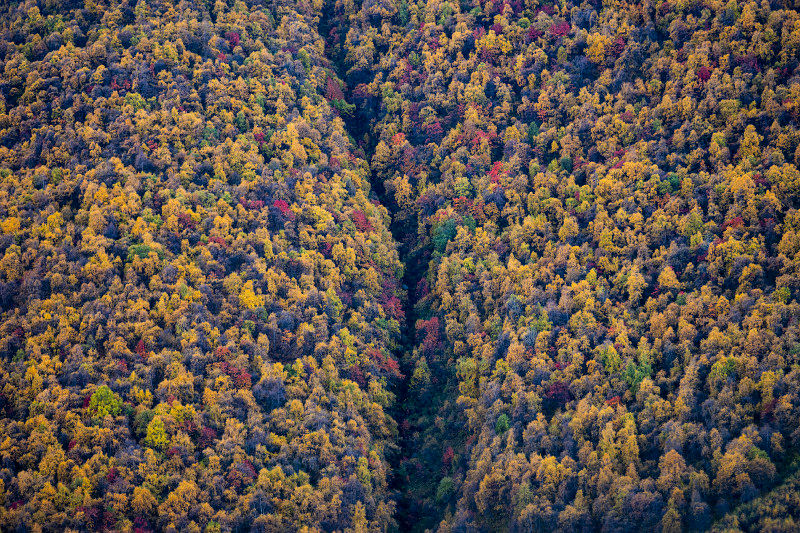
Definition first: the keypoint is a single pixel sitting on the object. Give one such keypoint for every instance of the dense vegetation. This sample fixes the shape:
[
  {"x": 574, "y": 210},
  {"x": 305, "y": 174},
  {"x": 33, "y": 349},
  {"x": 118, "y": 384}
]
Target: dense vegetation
[
  {"x": 200, "y": 299},
  {"x": 378, "y": 265}
]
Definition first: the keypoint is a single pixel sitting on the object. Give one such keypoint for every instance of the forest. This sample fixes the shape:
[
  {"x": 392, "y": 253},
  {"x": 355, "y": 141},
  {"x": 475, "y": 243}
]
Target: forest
[{"x": 393, "y": 265}]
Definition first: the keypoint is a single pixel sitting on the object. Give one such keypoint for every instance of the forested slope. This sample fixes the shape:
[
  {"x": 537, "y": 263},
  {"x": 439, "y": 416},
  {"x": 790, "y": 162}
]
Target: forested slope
[
  {"x": 380, "y": 265},
  {"x": 199, "y": 295},
  {"x": 777, "y": 510},
  {"x": 606, "y": 197}
]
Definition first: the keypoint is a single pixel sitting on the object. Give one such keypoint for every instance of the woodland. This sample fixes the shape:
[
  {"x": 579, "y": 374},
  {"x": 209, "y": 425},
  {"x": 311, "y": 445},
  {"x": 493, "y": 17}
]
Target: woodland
[{"x": 392, "y": 265}]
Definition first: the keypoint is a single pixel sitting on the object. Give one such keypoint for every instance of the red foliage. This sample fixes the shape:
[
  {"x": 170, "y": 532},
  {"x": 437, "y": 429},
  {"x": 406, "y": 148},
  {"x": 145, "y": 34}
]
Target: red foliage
[
  {"x": 117, "y": 86},
  {"x": 91, "y": 513},
  {"x": 235, "y": 478},
  {"x": 558, "y": 392},
  {"x": 534, "y": 33},
  {"x": 405, "y": 77},
  {"x": 357, "y": 375},
  {"x": 431, "y": 328},
  {"x": 188, "y": 426},
  {"x": 735, "y": 222},
  {"x": 252, "y": 204},
  {"x": 186, "y": 221},
  {"x": 219, "y": 241},
  {"x": 618, "y": 46},
  {"x": 284, "y": 208},
  {"x": 248, "y": 469},
  {"x": 386, "y": 364},
  {"x": 345, "y": 296},
  {"x": 495, "y": 172},
  {"x": 332, "y": 90},
  {"x": 501, "y": 247},
  {"x": 140, "y": 525},
  {"x": 748, "y": 62},
  {"x": 434, "y": 131},
  {"x": 481, "y": 135},
  {"x": 447, "y": 456},
  {"x": 461, "y": 203},
  {"x": 393, "y": 367},
  {"x": 221, "y": 352},
  {"x": 241, "y": 378},
  {"x": 207, "y": 436},
  {"x": 394, "y": 307},
  {"x": 703, "y": 73},
  {"x": 477, "y": 209},
  {"x": 233, "y": 38},
  {"x": 614, "y": 401},
  {"x": 360, "y": 220},
  {"x": 560, "y": 29}
]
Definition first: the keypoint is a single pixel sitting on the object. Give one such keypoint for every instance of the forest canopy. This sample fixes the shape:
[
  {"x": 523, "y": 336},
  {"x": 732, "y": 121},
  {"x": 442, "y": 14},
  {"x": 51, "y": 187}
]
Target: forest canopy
[{"x": 383, "y": 265}]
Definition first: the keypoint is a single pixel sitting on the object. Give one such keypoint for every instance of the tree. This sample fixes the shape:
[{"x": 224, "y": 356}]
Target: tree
[{"x": 104, "y": 402}]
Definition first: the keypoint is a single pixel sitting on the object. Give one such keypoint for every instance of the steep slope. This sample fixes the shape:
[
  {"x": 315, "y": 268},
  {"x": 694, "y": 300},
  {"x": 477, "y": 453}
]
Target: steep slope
[
  {"x": 607, "y": 334},
  {"x": 200, "y": 299},
  {"x": 777, "y": 510},
  {"x": 577, "y": 223}
]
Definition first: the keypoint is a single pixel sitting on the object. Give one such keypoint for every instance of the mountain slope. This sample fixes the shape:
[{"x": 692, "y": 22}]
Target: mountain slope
[
  {"x": 606, "y": 197},
  {"x": 200, "y": 297},
  {"x": 380, "y": 265}
]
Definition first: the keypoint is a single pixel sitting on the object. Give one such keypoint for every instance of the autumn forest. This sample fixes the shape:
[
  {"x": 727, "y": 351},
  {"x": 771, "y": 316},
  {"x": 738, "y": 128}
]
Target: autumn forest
[{"x": 394, "y": 265}]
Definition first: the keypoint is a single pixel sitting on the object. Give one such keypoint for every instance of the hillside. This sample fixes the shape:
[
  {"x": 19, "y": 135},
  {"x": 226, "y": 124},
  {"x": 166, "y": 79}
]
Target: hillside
[
  {"x": 606, "y": 198},
  {"x": 389, "y": 266},
  {"x": 200, "y": 298}
]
